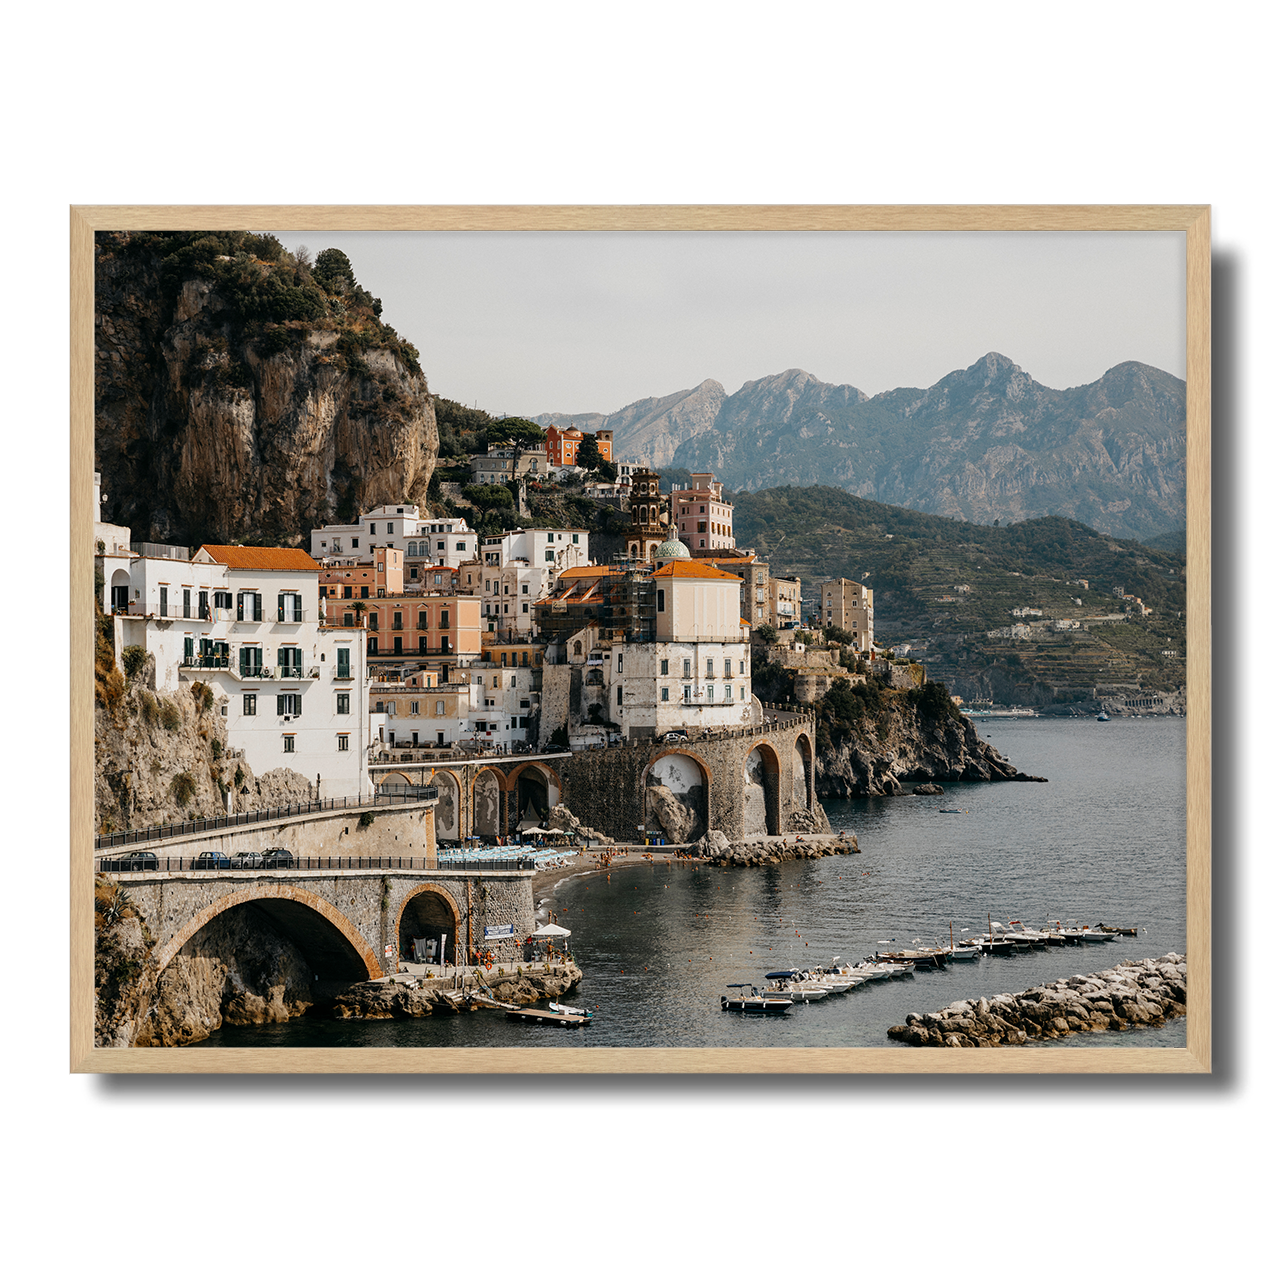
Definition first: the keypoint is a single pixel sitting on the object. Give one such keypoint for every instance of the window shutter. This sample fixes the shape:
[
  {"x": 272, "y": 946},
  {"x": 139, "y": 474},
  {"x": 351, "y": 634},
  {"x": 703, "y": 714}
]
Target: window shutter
[
  {"x": 257, "y": 606},
  {"x": 239, "y": 606},
  {"x": 280, "y": 711},
  {"x": 280, "y": 606}
]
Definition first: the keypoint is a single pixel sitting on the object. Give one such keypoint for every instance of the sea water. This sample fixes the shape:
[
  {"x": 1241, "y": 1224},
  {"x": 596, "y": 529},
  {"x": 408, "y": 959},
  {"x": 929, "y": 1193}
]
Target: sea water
[{"x": 1102, "y": 841}]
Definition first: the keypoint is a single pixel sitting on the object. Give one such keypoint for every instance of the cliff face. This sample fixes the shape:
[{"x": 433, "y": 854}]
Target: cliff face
[
  {"x": 243, "y": 396},
  {"x": 161, "y": 758},
  {"x": 904, "y": 746}
]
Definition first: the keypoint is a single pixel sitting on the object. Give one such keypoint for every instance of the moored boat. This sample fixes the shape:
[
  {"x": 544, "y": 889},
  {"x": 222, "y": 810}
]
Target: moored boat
[{"x": 755, "y": 1002}]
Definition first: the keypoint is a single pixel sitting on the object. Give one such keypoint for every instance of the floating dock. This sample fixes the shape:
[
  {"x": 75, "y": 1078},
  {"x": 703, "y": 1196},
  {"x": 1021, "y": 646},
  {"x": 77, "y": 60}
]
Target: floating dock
[{"x": 545, "y": 1017}]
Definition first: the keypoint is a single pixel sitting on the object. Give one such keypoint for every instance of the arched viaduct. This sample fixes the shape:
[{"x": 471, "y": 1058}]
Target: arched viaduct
[{"x": 743, "y": 781}]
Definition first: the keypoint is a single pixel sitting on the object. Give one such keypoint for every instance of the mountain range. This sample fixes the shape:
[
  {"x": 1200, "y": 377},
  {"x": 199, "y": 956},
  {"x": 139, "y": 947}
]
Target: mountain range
[{"x": 983, "y": 443}]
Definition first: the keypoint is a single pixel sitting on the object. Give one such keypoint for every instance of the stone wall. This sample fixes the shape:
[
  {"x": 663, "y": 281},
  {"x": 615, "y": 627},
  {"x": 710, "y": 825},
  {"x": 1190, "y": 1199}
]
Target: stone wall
[
  {"x": 396, "y": 831},
  {"x": 607, "y": 789}
]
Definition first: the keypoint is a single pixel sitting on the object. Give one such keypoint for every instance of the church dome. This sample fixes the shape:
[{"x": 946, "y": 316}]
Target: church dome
[{"x": 672, "y": 549}]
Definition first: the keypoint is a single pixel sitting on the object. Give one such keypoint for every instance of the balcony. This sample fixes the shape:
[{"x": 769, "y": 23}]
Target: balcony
[{"x": 221, "y": 662}]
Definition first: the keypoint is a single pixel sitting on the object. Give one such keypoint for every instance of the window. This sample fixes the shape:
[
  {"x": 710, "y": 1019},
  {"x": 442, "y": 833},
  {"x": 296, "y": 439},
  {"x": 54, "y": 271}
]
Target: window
[
  {"x": 164, "y": 602},
  {"x": 364, "y": 593},
  {"x": 524, "y": 608},
  {"x": 397, "y": 621},
  {"x": 575, "y": 537},
  {"x": 379, "y": 566},
  {"x": 251, "y": 704},
  {"x": 666, "y": 666},
  {"x": 440, "y": 546},
  {"x": 551, "y": 537},
  {"x": 461, "y": 546},
  {"x": 742, "y": 694},
  {"x": 742, "y": 668},
  {"x": 619, "y": 664},
  {"x": 390, "y": 528},
  {"x": 688, "y": 668},
  {"x": 373, "y": 621},
  {"x": 444, "y": 617},
  {"x": 373, "y": 646},
  {"x": 666, "y": 695},
  {"x": 288, "y": 743},
  {"x": 728, "y": 693},
  {"x": 711, "y": 693},
  {"x": 355, "y": 543},
  {"x": 344, "y": 741},
  {"x": 662, "y": 600},
  {"x": 711, "y": 667},
  {"x": 346, "y": 593},
  {"x": 399, "y": 644},
  {"x": 728, "y": 666},
  {"x": 439, "y": 706},
  {"x": 186, "y": 602},
  {"x": 288, "y": 704},
  {"x": 688, "y": 693},
  {"x": 422, "y": 619},
  {"x": 422, "y": 644},
  {"x": 348, "y": 619},
  {"x": 344, "y": 704},
  {"x": 344, "y": 664},
  {"x": 550, "y": 556},
  {"x": 289, "y": 606},
  {"x": 619, "y": 695},
  {"x": 290, "y": 659},
  {"x": 524, "y": 590},
  {"x": 413, "y": 708}
]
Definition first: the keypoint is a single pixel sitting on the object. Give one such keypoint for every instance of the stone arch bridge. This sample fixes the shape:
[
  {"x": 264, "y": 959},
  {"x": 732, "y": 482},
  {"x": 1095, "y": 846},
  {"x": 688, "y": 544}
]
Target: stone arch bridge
[{"x": 751, "y": 780}]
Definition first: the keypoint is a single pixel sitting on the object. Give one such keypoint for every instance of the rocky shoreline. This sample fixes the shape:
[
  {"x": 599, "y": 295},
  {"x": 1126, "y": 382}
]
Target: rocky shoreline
[
  {"x": 760, "y": 851},
  {"x": 1135, "y": 993},
  {"x": 404, "y": 997}
]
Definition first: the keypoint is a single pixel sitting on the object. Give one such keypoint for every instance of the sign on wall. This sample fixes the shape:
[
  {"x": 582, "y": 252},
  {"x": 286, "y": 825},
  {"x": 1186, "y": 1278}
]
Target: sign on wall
[{"x": 499, "y": 931}]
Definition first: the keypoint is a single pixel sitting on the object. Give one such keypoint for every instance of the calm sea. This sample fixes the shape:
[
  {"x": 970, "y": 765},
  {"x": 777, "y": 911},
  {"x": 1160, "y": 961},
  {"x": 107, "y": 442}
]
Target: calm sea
[{"x": 1102, "y": 841}]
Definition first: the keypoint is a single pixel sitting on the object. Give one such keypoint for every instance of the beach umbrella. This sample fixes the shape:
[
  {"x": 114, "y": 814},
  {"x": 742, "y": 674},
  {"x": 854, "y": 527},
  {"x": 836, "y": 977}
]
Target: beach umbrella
[{"x": 552, "y": 931}]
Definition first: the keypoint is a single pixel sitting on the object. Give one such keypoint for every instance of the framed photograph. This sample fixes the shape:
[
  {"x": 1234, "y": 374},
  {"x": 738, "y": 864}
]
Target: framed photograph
[{"x": 641, "y": 639}]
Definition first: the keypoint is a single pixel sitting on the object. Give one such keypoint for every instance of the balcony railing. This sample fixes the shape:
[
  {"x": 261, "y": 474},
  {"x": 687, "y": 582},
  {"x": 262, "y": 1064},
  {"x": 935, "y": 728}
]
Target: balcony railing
[
  {"x": 339, "y": 672},
  {"x": 206, "y": 661}
]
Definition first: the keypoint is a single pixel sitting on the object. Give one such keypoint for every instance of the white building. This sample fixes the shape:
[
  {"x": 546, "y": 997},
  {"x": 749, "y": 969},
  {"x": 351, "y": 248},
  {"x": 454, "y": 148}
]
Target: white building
[
  {"x": 697, "y": 673},
  {"x": 519, "y": 568},
  {"x": 442, "y": 540},
  {"x": 246, "y": 621}
]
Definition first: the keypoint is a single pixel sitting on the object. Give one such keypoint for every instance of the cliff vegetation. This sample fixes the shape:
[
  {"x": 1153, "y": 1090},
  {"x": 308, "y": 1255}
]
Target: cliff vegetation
[{"x": 248, "y": 393}]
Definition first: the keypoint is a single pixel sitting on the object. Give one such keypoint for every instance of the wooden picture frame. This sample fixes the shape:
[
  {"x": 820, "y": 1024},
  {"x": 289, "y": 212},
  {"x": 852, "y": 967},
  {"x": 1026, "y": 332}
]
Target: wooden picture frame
[{"x": 1193, "y": 221}]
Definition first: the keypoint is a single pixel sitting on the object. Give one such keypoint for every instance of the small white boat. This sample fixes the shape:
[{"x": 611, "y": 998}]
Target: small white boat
[{"x": 564, "y": 1008}]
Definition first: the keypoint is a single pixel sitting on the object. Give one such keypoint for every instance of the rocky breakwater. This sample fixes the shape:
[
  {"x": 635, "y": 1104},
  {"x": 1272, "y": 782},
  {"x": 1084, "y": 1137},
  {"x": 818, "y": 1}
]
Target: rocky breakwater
[
  {"x": 404, "y": 997},
  {"x": 761, "y": 851},
  {"x": 1135, "y": 993}
]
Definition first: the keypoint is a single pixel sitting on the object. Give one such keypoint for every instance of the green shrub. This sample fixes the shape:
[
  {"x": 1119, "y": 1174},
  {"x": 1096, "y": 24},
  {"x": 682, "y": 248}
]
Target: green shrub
[
  {"x": 366, "y": 820},
  {"x": 767, "y": 633},
  {"x": 183, "y": 787},
  {"x": 134, "y": 657},
  {"x": 148, "y": 706},
  {"x": 170, "y": 716}
]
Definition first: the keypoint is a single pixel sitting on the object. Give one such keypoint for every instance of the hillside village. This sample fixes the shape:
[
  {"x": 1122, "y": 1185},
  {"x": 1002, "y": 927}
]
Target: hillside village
[
  {"x": 405, "y": 632},
  {"x": 406, "y": 635}
]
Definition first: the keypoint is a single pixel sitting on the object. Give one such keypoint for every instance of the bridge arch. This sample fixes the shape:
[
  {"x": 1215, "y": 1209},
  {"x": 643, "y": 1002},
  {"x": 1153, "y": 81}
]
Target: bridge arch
[
  {"x": 535, "y": 785},
  {"x": 761, "y": 773},
  {"x": 429, "y": 911},
  {"x": 677, "y": 794},
  {"x": 449, "y": 805},
  {"x": 487, "y": 805},
  {"x": 802, "y": 772},
  {"x": 331, "y": 943}
]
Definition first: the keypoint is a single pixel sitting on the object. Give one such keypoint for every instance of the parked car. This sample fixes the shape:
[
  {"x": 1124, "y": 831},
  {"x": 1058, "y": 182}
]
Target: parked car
[
  {"x": 143, "y": 860},
  {"x": 244, "y": 861},
  {"x": 277, "y": 858},
  {"x": 676, "y": 735},
  {"x": 210, "y": 860}
]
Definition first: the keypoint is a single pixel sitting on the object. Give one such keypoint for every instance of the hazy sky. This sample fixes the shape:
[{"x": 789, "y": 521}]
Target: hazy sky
[{"x": 533, "y": 322}]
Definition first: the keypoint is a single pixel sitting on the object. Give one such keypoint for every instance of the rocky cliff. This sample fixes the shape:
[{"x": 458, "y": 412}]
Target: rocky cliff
[
  {"x": 243, "y": 394},
  {"x": 163, "y": 757},
  {"x": 888, "y": 743},
  {"x": 983, "y": 443}
]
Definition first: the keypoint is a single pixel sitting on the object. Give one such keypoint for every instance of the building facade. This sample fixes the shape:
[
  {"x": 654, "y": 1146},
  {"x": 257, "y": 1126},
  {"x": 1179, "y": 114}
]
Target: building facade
[
  {"x": 703, "y": 519},
  {"x": 849, "y": 605}
]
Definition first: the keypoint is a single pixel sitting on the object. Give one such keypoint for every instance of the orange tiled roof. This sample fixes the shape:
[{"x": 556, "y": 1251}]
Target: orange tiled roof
[
  {"x": 693, "y": 569},
  {"x": 261, "y": 557},
  {"x": 587, "y": 571}
]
